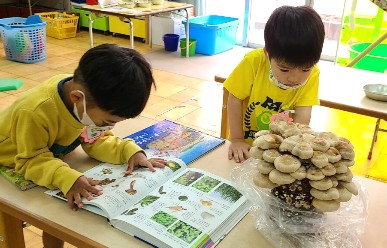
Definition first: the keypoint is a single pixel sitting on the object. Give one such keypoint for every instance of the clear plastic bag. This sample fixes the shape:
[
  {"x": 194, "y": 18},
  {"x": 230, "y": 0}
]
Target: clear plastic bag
[{"x": 285, "y": 226}]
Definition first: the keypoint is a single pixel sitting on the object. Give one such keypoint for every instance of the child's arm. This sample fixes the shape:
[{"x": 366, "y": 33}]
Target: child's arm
[
  {"x": 239, "y": 149},
  {"x": 302, "y": 114},
  {"x": 32, "y": 133},
  {"x": 111, "y": 149}
]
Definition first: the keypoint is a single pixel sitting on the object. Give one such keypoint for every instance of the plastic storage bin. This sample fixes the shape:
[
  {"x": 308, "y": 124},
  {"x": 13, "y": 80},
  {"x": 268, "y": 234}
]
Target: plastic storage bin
[
  {"x": 99, "y": 23},
  {"x": 214, "y": 34},
  {"x": 375, "y": 60},
  {"x": 116, "y": 26},
  {"x": 60, "y": 25},
  {"x": 24, "y": 42}
]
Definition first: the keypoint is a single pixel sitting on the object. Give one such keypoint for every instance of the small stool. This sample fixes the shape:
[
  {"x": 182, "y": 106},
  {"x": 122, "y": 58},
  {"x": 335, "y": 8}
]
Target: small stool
[{"x": 7, "y": 84}]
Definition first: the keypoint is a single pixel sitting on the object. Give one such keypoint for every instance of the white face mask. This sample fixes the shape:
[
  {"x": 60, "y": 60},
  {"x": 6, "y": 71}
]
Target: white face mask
[
  {"x": 92, "y": 131},
  {"x": 282, "y": 85}
]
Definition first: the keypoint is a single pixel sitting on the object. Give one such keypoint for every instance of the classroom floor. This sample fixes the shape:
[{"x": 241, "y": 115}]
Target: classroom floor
[{"x": 190, "y": 97}]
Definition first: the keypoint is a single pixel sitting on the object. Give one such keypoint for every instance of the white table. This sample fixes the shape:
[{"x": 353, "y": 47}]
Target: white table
[
  {"x": 126, "y": 16},
  {"x": 85, "y": 229}
]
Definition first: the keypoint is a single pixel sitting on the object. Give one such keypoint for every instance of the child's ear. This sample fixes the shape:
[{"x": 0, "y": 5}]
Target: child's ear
[
  {"x": 76, "y": 96},
  {"x": 266, "y": 53}
]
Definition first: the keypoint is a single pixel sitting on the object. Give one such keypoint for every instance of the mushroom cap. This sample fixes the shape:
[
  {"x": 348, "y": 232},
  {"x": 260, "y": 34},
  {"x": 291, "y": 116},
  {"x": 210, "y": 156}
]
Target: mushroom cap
[
  {"x": 346, "y": 151},
  {"x": 344, "y": 194},
  {"x": 326, "y": 206},
  {"x": 314, "y": 173},
  {"x": 263, "y": 181},
  {"x": 345, "y": 140},
  {"x": 319, "y": 144},
  {"x": 280, "y": 178},
  {"x": 290, "y": 130},
  {"x": 264, "y": 167},
  {"x": 346, "y": 177},
  {"x": 277, "y": 126},
  {"x": 319, "y": 159},
  {"x": 300, "y": 173},
  {"x": 308, "y": 137},
  {"x": 329, "y": 170},
  {"x": 329, "y": 194},
  {"x": 256, "y": 152},
  {"x": 261, "y": 132},
  {"x": 289, "y": 143},
  {"x": 303, "y": 150},
  {"x": 340, "y": 168},
  {"x": 268, "y": 141},
  {"x": 346, "y": 162},
  {"x": 323, "y": 184},
  {"x": 287, "y": 163},
  {"x": 270, "y": 155},
  {"x": 334, "y": 181},
  {"x": 351, "y": 187},
  {"x": 305, "y": 129},
  {"x": 333, "y": 155},
  {"x": 332, "y": 138}
]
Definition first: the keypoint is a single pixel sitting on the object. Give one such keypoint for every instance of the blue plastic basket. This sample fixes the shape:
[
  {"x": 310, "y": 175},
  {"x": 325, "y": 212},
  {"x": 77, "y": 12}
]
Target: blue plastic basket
[
  {"x": 214, "y": 34},
  {"x": 24, "y": 39}
]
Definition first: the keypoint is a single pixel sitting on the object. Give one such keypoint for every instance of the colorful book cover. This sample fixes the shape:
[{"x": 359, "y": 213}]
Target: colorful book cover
[
  {"x": 16, "y": 178},
  {"x": 168, "y": 138}
]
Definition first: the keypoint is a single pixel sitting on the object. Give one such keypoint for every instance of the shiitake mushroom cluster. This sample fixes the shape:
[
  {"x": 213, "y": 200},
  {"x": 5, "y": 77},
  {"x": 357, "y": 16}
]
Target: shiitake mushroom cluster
[{"x": 306, "y": 169}]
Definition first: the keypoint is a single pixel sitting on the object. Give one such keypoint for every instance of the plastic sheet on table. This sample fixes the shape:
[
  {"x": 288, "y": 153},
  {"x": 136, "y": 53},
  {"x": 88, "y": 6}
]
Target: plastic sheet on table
[{"x": 286, "y": 226}]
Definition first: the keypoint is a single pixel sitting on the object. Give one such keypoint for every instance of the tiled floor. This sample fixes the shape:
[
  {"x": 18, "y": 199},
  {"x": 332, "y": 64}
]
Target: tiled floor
[{"x": 194, "y": 100}]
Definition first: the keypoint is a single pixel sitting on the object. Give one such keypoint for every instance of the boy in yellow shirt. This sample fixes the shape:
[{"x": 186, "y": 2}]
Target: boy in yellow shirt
[
  {"x": 280, "y": 77},
  {"x": 110, "y": 84}
]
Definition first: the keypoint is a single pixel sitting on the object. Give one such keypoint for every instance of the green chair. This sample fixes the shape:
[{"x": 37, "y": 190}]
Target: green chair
[{"x": 9, "y": 84}]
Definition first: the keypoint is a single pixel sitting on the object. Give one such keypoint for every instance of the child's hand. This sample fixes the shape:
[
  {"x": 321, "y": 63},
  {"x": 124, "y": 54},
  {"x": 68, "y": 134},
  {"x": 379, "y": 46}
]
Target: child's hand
[
  {"x": 140, "y": 159},
  {"x": 239, "y": 151},
  {"x": 83, "y": 187}
]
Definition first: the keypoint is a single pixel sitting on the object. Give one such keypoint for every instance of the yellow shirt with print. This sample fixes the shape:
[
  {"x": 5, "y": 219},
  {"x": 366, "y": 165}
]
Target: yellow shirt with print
[{"x": 250, "y": 82}]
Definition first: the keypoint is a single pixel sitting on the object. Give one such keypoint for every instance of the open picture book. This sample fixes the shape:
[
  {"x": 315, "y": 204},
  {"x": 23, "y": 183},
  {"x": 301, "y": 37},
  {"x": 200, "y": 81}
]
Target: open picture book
[
  {"x": 175, "y": 206},
  {"x": 168, "y": 138}
]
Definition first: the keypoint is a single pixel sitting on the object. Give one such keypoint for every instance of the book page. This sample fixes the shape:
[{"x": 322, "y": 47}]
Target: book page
[
  {"x": 120, "y": 191},
  {"x": 184, "y": 212}
]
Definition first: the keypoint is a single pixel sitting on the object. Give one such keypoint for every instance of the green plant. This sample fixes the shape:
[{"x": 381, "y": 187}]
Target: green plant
[
  {"x": 184, "y": 231},
  {"x": 206, "y": 184},
  {"x": 163, "y": 218},
  {"x": 188, "y": 178},
  {"x": 228, "y": 192},
  {"x": 147, "y": 200}
]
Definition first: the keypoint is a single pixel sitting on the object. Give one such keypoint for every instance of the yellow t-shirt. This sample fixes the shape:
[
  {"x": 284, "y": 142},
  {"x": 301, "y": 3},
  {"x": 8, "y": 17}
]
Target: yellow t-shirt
[
  {"x": 38, "y": 126},
  {"x": 250, "y": 82}
]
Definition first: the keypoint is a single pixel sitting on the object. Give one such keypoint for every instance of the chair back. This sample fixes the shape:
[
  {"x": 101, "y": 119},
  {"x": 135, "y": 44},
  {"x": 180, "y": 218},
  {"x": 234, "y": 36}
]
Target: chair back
[{"x": 224, "y": 119}]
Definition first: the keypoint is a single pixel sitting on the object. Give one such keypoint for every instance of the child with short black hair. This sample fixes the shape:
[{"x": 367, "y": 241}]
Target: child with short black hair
[
  {"x": 281, "y": 77},
  {"x": 111, "y": 84}
]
